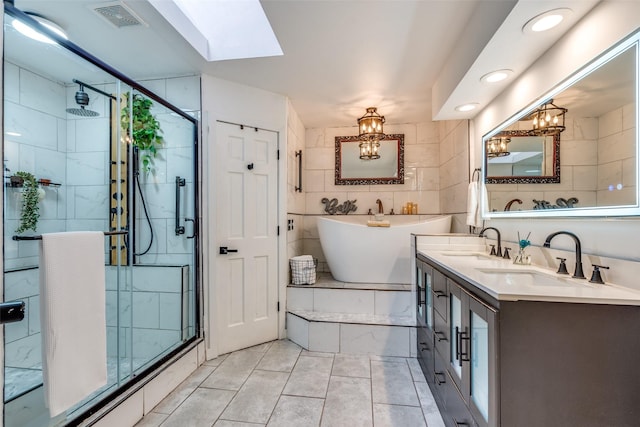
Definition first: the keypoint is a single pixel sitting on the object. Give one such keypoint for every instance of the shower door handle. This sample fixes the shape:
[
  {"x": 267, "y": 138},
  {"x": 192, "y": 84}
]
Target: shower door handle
[
  {"x": 180, "y": 182},
  {"x": 195, "y": 231}
]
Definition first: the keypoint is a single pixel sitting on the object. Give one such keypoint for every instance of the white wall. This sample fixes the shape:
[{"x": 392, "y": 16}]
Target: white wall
[
  {"x": 231, "y": 102},
  {"x": 605, "y": 25}
]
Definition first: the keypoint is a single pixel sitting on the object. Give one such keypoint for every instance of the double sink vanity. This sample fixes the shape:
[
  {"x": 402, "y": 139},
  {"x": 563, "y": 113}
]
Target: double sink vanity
[{"x": 521, "y": 345}]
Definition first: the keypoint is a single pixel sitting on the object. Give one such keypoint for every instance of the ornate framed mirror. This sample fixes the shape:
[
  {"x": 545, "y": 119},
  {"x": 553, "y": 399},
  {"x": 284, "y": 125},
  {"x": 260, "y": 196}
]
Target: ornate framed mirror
[
  {"x": 352, "y": 170},
  {"x": 530, "y": 159}
]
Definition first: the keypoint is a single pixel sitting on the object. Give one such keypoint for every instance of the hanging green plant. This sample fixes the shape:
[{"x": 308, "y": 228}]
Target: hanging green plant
[
  {"x": 29, "y": 212},
  {"x": 145, "y": 128}
]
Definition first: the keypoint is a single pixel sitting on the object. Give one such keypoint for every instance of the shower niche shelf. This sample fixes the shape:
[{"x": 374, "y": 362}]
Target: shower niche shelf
[{"x": 43, "y": 182}]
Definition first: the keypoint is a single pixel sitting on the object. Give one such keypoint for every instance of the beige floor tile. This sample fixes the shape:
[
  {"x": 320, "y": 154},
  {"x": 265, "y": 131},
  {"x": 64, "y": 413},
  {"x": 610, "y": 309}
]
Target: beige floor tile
[
  {"x": 397, "y": 416},
  {"x": 297, "y": 411},
  {"x": 310, "y": 377},
  {"x": 348, "y": 403},
  {"x": 200, "y": 409},
  {"x": 280, "y": 357},
  {"x": 392, "y": 384},
  {"x": 257, "y": 398},
  {"x": 188, "y": 386},
  {"x": 346, "y": 365},
  {"x": 234, "y": 370}
]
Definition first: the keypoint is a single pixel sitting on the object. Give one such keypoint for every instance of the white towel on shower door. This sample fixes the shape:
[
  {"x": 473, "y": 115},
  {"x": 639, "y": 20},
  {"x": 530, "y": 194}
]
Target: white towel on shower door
[{"x": 72, "y": 317}]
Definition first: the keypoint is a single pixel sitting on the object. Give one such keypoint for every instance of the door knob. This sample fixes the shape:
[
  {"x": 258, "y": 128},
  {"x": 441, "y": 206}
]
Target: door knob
[{"x": 224, "y": 250}]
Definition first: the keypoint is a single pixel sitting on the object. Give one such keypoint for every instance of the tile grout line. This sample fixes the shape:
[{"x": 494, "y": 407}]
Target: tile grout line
[{"x": 283, "y": 387}]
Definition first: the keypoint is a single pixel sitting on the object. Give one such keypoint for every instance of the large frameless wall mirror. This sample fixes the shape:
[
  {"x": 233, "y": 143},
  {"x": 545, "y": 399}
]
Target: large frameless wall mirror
[
  {"x": 589, "y": 167},
  {"x": 352, "y": 170}
]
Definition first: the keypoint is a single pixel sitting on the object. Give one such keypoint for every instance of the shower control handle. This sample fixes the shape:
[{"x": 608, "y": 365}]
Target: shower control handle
[
  {"x": 180, "y": 182},
  {"x": 224, "y": 250}
]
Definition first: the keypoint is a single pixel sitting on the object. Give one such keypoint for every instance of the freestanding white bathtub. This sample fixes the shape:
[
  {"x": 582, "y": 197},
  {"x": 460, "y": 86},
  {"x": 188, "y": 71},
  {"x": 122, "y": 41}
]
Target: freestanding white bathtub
[{"x": 362, "y": 254}]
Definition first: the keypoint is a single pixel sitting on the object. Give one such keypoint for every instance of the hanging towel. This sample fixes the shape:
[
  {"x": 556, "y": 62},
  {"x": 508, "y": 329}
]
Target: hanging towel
[
  {"x": 473, "y": 204},
  {"x": 73, "y": 319}
]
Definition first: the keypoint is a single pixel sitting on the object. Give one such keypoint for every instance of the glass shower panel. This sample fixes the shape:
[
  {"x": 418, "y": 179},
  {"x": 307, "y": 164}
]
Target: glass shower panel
[
  {"x": 91, "y": 175},
  {"x": 164, "y": 244}
]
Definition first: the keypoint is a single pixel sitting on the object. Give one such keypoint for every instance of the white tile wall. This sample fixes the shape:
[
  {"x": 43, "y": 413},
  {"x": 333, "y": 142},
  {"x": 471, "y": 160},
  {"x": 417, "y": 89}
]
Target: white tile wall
[
  {"x": 374, "y": 339},
  {"x": 324, "y": 337}
]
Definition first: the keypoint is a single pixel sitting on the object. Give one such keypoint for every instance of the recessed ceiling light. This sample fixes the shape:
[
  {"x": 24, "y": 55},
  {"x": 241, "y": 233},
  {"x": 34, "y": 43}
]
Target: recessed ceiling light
[
  {"x": 11, "y": 133},
  {"x": 496, "y": 76},
  {"x": 32, "y": 33},
  {"x": 546, "y": 21},
  {"x": 466, "y": 107}
]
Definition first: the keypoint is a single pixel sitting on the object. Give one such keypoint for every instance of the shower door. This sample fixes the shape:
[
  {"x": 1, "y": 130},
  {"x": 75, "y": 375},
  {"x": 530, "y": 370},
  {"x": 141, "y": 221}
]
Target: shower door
[{"x": 73, "y": 125}]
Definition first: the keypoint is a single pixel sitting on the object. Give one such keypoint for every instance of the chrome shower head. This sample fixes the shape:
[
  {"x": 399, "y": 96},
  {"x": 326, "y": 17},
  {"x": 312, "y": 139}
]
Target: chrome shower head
[{"x": 82, "y": 99}]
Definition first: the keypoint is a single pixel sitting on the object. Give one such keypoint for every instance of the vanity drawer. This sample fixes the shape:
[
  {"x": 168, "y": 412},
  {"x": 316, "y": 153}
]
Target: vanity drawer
[
  {"x": 440, "y": 294},
  {"x": 452, "y": 407},
  {"x": 426, "y": 352}
]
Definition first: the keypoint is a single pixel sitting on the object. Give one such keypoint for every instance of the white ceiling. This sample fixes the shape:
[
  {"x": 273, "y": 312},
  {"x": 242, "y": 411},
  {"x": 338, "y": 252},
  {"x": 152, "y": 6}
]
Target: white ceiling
[{"x": 340, "y": 56}]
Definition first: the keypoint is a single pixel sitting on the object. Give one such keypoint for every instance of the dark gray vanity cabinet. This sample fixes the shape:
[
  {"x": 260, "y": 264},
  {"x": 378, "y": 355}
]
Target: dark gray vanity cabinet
[{"x": 526, "y": 363}]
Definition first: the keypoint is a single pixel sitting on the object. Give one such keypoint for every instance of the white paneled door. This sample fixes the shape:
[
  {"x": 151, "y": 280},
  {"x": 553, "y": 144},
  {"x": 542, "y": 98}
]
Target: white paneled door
[{"x": 246, "y": 288}]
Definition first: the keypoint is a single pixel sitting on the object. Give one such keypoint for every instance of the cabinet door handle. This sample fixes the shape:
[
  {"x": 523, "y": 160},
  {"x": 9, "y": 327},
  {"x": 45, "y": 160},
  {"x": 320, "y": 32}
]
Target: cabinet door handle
[
  {"x": 424, "y": 346},
  {"x": 440, "y": 294},
  {"x": 436, "y": 378},
  {"x": 460, "y": 423},
  {"x": 420, "y": 295},
  {"x": 440, "y": 336},
  {"x": 462, "y": 356}
]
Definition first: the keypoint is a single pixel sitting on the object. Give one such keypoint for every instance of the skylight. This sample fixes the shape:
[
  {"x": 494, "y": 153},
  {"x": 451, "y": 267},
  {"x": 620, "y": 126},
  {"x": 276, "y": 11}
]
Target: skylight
[{"x": 222, "y": 29}]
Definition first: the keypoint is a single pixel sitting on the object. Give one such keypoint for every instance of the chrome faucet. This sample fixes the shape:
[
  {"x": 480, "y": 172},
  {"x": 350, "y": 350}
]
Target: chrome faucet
[
  {"x": 578, "y": 273},
  {"x": 499, "y": 251},
  {"x": 507, "y": 207},
  {"x": 380, "y": 208}
]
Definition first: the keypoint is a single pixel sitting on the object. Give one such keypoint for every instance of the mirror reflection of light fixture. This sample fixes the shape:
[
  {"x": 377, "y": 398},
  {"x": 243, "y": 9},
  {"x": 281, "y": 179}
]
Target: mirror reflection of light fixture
[
  {"x": 548, "y": 119},
  {"x": 498, "y": 147},
  {"x": 371, "y": 131},
  {"x": 34, "y": 34}
]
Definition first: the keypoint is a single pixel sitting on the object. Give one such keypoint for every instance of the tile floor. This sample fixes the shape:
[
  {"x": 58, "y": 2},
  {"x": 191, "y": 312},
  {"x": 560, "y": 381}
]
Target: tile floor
[{"x": 280, "y": 384}]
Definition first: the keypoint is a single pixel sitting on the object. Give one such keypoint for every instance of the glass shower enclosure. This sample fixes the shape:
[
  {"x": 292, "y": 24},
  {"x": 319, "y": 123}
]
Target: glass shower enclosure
[{"x": 98, "y": 153}]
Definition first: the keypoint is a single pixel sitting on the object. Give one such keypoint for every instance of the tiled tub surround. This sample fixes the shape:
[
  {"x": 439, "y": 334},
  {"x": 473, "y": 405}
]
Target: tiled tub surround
[
  {"x": 158, "y": 297},
  {"x": 355, "y": 318}
]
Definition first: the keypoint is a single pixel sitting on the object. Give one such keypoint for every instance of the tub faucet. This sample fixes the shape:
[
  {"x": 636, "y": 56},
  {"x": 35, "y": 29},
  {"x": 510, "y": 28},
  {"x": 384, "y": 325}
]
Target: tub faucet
[
  {"x": 507, "y": 207},
  {"x": 499, "y": 251},
  {"x": 578, "y": 274},
  {"x": 380, "y": 208}
]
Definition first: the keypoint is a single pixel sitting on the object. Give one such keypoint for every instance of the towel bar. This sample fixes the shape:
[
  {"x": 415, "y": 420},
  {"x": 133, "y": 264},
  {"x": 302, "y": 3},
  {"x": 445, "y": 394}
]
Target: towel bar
[{"x": 38, "y": 237}]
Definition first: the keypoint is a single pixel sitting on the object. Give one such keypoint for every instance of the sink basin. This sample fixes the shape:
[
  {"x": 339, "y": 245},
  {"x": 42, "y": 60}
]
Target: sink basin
[{"x": 522, "y": 277}]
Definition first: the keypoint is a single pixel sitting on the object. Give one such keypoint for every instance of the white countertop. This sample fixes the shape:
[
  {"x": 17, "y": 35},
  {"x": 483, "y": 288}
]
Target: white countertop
[{"x": 506, "y": 281}]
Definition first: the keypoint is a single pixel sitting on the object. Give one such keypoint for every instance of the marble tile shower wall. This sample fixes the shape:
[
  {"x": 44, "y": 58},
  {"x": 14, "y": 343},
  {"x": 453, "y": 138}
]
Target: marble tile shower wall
[
  {"x": 597, "y": 154},
  {"x": 31, "y": 99},
  {"x": 421, "y": 186}
]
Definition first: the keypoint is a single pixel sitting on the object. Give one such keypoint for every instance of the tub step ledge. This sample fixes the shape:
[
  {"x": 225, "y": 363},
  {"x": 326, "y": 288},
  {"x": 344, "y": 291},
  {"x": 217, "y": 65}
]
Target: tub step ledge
[{"x": 352, "y": 333}]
